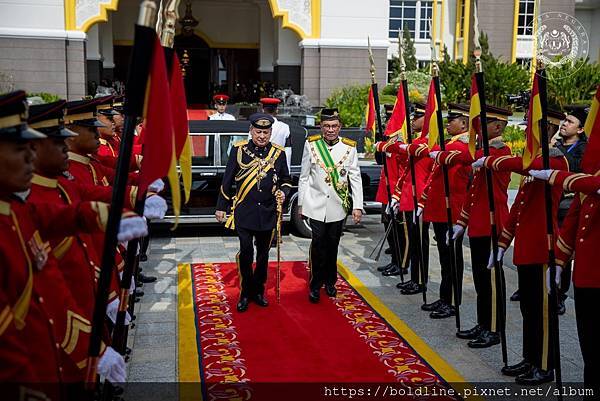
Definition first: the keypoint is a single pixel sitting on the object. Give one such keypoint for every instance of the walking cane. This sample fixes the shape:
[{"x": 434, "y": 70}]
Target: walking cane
[{"x": 279, "y": 213}]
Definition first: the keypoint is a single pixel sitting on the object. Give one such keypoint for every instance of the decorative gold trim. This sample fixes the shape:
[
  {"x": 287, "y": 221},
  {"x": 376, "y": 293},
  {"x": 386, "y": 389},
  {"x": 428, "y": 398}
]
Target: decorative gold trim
[
  {"x": 10, "y": 121},
  {"x": 54, "y": 122},
  {"x": 71, "y": 118},
  {"x": 71, "y": 15},
  {"x": 4, "y": 208},
  {"x": 285, "y": 23},
  {"x": 79, "y": 158},
  {"x": 44, "y": 181},
  {"x": 75, "y": 324}
]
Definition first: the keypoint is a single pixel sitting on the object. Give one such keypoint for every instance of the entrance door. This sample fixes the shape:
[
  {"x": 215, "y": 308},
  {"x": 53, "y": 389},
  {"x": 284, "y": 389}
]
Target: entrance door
[{"x": 198, "y": 72}]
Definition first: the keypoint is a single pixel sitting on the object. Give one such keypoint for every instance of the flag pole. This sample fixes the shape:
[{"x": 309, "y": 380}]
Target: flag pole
[
  {"x": 379, "y": 137},
  {"x": 553, "y": 297},
  {"x": 411, "y": 162},
  {"x": 442, "y": 142},
  {"x": 136, "y": 90},
  {"x": 498, "y": 271}
]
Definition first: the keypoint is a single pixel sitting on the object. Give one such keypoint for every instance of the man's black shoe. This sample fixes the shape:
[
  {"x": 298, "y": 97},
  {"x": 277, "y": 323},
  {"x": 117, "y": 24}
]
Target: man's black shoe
[
  {"x": 313, "y": 296},
  {"x": 404, "y": 284},
  {"x": 515, "y": 297},
  {"x": 516, "y": 370},
  {"x": 143, "y": 257},
  {"x": 469, "y": 334},
  {"x": 430, "y": 307},
  {"x": 146, "y": 279},
  {"x": 386, "y": 267},
  {"x": 330, "y": 290},
  {"x": 412, "y": 289},
  {"x": 242, "y": 305},
  {"x": 535, "y": 377},
  {"x": 388, "y": 251},
  {"x": 260, "y": 300},
  {"x": 561, "y": 307},
  {"x": 485, "y": 339},
  {"x": 395, "y": 271},
  {"x": 443, "y": 312},
  {"x": 139, "y": 292}
]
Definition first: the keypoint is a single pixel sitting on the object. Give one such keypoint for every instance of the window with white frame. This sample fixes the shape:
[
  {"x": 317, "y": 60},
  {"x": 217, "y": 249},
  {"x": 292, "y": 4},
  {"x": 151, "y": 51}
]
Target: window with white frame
[
  {"x": 413, "y": 14},
  {"x": 526, "y": 16}
]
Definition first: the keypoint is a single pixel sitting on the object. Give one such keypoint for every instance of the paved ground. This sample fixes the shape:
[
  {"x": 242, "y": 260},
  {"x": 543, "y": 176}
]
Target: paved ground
[{"x": 154, "y": 340}]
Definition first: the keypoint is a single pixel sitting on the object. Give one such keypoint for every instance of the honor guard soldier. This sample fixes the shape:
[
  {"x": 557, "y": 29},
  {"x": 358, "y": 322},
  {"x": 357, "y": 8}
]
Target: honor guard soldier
[
  {"x": 281, "y": 131},
  {"x": 526, "y": 224},
  {"x": 220, "y": 100},
  {"x": 474, "y": 215},
  {"x": 256, "y": 179},
  {"x": 329, "y": 188},
  {"x": 433, "y": 208}
]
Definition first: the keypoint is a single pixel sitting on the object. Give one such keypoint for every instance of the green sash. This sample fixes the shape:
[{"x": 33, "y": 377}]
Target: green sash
[{"x": 341, "y": 187}]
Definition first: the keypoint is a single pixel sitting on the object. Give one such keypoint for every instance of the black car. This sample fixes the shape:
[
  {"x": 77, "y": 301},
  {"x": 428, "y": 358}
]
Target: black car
[{"x": 211, "y": 143}]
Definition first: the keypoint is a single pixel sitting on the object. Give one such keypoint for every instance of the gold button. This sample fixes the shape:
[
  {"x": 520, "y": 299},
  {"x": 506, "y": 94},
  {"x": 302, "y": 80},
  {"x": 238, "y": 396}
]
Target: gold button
[
  {"x": 517, "y": 224},
  {"x": 581, "y": 240},
  {"x": 84, "y": 245},
  {"x": 587, "y": 216},
  {"x": 583, "y": 228},
  {"x": 60, "y": 369},
  {"x": 51, "y": 321},
  {"x": 41, "y": 300},
  {"x": 522, "y": 203},
  {"x": 591, "y": 205},
  {"x": 57, "y": 345},
  {"x": 14, "y": 228}
]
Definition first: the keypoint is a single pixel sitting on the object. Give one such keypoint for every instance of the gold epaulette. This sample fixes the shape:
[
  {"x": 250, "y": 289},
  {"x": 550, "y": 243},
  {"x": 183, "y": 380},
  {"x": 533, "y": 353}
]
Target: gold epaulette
[
  {"x": 241, "y": 143},
  {"x": 349, "y": 142},
  {"x": 277, "y": 146},
  {"x": 313, "y": 138}
]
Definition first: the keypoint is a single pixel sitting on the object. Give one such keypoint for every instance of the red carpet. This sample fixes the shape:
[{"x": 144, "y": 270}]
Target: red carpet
[{"x": 341, "y": 340}]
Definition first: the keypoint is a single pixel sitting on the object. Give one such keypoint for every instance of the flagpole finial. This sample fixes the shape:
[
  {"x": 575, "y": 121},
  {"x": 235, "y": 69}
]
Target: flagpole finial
[
  {"x": 371, "y": 60},
  {"x": 476, "y": 44},
  {"x": 401, "y": 56},
  {"x": 434, "y": 65},
  {"x": 169, "y": 18},
  {"x": 147, "y": 16}
]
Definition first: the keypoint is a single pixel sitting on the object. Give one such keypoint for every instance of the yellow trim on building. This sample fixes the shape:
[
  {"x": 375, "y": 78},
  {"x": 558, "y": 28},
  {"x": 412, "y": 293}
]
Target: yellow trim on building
[
  {"x": 434, "y": 23},
  {"x": 466, "y": 32},
  {"x": 513, "y": 57},
  {"x": 457, "y": 27},
  {"x": 71, "y": 15},
  {"x": 285, "y": 23},
  {"x": 442, "y": 21}
]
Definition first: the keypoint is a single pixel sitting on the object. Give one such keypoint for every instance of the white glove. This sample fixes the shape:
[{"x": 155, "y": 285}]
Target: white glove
[
  {"x": 112, "y": 366},
  {"x": 132, "y": 285},
  {"x": 556, "y": 278},
  {"x": 501, "y": 252},
  {"x": 156, "y": 186},
  {"x": 419, "y": 211},
  {"x": 541, "y": 174},
  {"x": 155, "y": 207},
  {"x": 132, "y": 227},
  {"x": 478, "y": 163},
  {"x": 598, "y": 192},
  {"x": 113, "y": 308},
  {"x": 394, "y": 206},
  {"x": 403, "y": 146},
  {"x": 457, "y": 231},
  {"x": 433, "y": 154}
]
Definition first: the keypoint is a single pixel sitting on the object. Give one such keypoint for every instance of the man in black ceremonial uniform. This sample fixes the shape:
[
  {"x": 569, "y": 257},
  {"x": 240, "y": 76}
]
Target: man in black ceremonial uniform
[{"x": 255, "y": 178}]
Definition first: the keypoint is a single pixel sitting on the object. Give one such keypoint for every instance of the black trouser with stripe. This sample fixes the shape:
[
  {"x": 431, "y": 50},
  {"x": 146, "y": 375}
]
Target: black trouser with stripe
[
  {"x": 415, "y": 272},
  {"x": 253, "y": 282},
  {"x": 482, "y": 279},
  {"x": 440, "y": 230},
  {"x": 323, "y": 252},
  {"x": 588, "y": 330},
  {"x": 536, "y": 322},
  {"x": 403, "y": 239}
]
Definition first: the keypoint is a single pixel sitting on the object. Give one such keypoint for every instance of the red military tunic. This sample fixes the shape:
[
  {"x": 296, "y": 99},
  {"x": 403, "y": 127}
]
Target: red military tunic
[
  {"x": 433, "y": 199},
  {"x": 38, "y": 303},
  {"x": 91, "y": 172},
  {"x": 475, "y": 213},
  {"x": 527, "y": 220},
  {"x": 108, "y": 153},
  {"x": 580, "y": 231},
  {"x": 403, "y": 192},
  {"x": 395, "y": 168}
]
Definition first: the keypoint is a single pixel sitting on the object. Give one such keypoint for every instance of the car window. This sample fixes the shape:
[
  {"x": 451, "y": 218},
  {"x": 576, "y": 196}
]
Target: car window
[
  {"x": 203, "y": 149},
  {"x": 226, "y": 143}
]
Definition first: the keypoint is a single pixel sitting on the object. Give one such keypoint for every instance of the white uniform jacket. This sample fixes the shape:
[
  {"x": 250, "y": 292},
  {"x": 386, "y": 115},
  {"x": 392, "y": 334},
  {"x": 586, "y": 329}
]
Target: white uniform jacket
[
  {"x": 280, "y": 135},
  {"x": 316, "y": 195},
  {"x": 221, "y": 116}
]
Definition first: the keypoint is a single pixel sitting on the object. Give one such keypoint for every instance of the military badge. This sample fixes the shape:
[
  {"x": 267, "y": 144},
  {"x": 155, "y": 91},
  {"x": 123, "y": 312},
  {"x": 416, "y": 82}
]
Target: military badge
[
  {"x": 39, "y": 249},
  {"x": 343, "y": 172}
]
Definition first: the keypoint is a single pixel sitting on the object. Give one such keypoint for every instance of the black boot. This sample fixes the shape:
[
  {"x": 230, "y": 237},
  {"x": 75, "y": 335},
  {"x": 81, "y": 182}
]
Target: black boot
[
  {"x": 485, "y": 339},
  {"x": 330, "y": 290},
  {"x": 242, "y": 305},
  {"x": 313, "y": 296},
  {"x": 535, "y": 377},
  {"x": 388, "y": 251},
  {"x": 430, "y": 307},
  {"x": 469, "y": 334},
  {"x": 515, "y": 297},
  {"x": 260, "y": 300},
  {"x": 395, "y": 271},
  {"x": 412, "y": 289},
  {"x": 386, "y": 267},
  {"x": 443, "y": 312},
  {"x": 517, "y": 369},
  {"x": 561, "y": 309},
  {"x": 404, "y": 284}
]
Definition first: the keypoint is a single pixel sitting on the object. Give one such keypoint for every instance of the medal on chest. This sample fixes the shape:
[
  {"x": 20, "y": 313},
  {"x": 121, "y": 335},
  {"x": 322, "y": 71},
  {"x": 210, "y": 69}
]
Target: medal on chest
[{"x": 39, "y": 250}]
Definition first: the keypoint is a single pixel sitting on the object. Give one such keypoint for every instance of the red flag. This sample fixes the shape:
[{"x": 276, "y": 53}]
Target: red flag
[
  {"x": 532, "y": 133},
  {"x": 397, "y": 123},
  {"x": 370, "y": 115},
  {"x": 158, "y": 128},
  {"x": 591, "y": 158},
  {"x": 430, "y": 125}
]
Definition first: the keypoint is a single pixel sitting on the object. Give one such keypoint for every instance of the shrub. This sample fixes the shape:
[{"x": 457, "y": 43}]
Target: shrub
[
  {"x": 351, "y": 102},
  {"x": 514, "y": 137},
  {"x": 46, "y": 97}
]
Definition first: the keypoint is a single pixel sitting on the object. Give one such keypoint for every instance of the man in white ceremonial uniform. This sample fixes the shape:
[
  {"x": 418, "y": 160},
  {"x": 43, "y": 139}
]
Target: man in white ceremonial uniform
[
  {"x": 329, "y": 188},
  {"x": 281, "y": 131},
  {"x": 220, "y": 100}
]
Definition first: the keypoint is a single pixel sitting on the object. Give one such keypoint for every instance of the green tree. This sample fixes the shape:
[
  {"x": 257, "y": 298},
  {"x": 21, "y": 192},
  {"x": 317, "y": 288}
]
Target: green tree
[
  {"x": 351, "y": 101},
  {"x": 409, "y": 51}
]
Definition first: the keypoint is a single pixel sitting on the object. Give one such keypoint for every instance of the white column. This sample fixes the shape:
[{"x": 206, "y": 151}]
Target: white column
[
  {"x": 93, "y": 44},
  {"x": 287, "y": 51},
  {"x": 266, "y": 38},
  {"x": 106, "y": 44}
]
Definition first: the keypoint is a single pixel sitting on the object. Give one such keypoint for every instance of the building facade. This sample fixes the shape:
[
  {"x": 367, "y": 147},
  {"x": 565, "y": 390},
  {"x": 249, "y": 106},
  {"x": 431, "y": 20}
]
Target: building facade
[{"x": 67, "y": 47}]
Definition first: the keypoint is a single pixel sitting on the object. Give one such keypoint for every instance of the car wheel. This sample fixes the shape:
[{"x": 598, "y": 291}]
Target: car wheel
[{"x": 301, "y": 225}]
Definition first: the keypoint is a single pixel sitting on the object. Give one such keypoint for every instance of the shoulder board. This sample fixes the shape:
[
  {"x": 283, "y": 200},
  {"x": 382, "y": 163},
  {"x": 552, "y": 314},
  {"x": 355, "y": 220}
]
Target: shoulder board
[
  {"x": 277, "y": 146},
  {"x": 349, "y": 142},
  {"x": 103, "y": 141},
  {"x": 313, "y": 138},
  {"x": 241, "y": 143}
]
